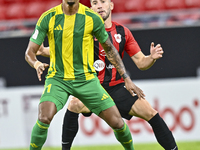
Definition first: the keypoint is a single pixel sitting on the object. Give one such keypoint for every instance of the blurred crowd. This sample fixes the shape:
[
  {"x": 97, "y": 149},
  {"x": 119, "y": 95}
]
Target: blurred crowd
[{"x": 21, "y": 15}]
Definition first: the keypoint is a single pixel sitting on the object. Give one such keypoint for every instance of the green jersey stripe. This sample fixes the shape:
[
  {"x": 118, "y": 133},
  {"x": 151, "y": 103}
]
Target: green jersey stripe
[
  {"x": 77, "y": 45},
  {"x": 58, "y": 36}
]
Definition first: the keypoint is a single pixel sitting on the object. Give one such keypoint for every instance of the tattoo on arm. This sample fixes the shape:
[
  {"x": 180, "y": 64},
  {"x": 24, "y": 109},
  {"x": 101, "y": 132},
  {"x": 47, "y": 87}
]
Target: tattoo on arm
[{"x": 114, "y": 57}]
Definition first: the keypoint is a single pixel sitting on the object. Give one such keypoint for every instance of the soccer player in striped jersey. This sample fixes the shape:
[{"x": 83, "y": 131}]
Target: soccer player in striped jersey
[
  {"x": 111, "y": 80},
  {"x": 70, "y": 28}
]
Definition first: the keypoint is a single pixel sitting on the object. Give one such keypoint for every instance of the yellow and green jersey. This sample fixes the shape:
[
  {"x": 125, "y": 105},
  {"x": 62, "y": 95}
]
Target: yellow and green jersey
[{"x": 71, "y": 41}]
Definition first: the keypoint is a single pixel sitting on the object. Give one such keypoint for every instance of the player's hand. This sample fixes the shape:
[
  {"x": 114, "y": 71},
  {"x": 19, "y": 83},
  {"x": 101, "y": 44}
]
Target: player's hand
[
  {"x": 40, "y": 67},
  {"x": 133, "y": 89},
  {"x": 156, "y": 52}
]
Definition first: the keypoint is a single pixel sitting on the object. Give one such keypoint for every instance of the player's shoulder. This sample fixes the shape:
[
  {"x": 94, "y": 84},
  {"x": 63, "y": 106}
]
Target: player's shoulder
[
  {"x": 120, "y": 25},
  {"x": 87, "y": 9},
  {"x": 49, "y": 13},
  {"x": 54, "y": 10}
]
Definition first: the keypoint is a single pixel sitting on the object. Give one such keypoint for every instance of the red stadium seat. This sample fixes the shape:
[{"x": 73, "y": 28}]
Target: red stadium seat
[
  {"x": 154, "y": 5},
  {"x": 51, "y": 4},
  {"x": 119, "y": 6},
  {"x": 15, "y": 11},
  {"x": 174, "y": 4},
  {"x": 2, "y": 12},
  {"x": 12, "y": 1},
  {"x": 134, "y": 5},
  {"x": 36, "y": 0},
  {"x": 86, "y": 3},
  {"x": 35, "y": 9},
  {"x": 1, "y": 2},
  {"x": 192, "y": 3}
]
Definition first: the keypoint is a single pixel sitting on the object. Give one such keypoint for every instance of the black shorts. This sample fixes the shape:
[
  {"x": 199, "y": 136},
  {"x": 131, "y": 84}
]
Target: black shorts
[{"x": 122, "y": 98}]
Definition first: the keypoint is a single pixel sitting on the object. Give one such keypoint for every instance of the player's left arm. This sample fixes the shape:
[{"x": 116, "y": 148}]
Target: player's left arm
[
  {"x": 132, "y": 48},
  {"x": 145, "y": 62}
]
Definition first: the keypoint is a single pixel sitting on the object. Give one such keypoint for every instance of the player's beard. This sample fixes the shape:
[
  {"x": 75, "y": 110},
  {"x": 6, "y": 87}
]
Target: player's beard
[
  {"x": 107, "y": 15},
  {"x": 70, "y": 3}
]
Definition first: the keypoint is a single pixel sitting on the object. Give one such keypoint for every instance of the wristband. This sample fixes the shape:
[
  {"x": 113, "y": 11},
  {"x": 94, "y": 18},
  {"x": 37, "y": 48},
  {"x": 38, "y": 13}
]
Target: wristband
[
  {"x": 37, "y": 64},
  {"x": 125, "y": 75}
]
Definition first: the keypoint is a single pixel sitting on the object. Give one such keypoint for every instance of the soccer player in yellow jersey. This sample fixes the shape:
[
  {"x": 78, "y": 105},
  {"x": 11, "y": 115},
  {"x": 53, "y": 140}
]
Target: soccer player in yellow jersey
[
  {"x": 70, "y": 28},
  {"x": 127, "y": 105}
]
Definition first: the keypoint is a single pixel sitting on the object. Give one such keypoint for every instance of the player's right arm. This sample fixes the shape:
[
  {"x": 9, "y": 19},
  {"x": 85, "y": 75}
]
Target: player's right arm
[
  {"x": 30, "y": 54},
  {"x": 114, "y": 57},
  {"x": 30, "y": 57},
  {"x": 36, "y": 40}
]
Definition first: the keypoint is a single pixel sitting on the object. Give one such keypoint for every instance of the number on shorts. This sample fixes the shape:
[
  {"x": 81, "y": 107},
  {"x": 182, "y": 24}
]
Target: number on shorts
[{"x": 49, "y": 88}]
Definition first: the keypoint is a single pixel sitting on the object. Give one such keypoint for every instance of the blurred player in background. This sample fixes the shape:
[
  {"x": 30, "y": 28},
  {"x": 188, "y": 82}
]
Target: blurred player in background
[
  {"x": 110, "y": 79},
  {"x": 70, "y": 27}
]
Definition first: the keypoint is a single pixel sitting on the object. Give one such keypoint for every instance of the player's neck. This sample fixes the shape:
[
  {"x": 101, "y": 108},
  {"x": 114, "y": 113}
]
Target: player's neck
[
  {"x": 70, "y": 10},
  {"x": 108, "y": 23}
]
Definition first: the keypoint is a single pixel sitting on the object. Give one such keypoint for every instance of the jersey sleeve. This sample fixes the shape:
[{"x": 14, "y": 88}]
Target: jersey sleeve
[
  {"x": 99, "y": 29},
  {"x": 40, "y": 31},
  {"x": 131, "y": 46}
]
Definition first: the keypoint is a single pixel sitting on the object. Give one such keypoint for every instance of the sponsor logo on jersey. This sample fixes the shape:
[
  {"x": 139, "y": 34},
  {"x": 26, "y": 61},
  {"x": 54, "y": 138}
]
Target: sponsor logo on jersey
[
  {"x": 99, "y": 65},
  {"x": 58, "y": 27},
  {"x": 110, "y": 66}
]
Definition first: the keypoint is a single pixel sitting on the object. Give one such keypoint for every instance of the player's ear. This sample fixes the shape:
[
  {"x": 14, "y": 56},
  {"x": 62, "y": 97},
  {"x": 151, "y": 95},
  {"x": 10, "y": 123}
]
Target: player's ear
[{"x": 111, "y": 5}]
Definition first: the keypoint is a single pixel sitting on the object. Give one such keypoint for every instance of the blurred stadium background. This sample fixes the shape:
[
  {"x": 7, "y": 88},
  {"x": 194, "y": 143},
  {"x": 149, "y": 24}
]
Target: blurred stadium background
[{"x": 172, "y": 85}]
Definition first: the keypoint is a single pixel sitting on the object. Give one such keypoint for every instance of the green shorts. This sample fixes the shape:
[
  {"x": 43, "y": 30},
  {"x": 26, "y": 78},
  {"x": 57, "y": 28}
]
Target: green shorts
[{"x": 90, "y": 92}]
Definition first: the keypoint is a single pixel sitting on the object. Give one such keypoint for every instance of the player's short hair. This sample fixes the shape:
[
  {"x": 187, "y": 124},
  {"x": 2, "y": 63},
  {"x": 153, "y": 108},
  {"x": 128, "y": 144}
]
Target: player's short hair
[{"x": 91, "y": 1}]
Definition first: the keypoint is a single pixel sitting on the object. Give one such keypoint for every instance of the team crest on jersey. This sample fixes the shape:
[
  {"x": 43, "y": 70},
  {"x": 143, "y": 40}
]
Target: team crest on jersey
[
  {"x": 118, "y": 38},
  {"x": 99, "y": 65},
  {"x": 102, "y": 52}
]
